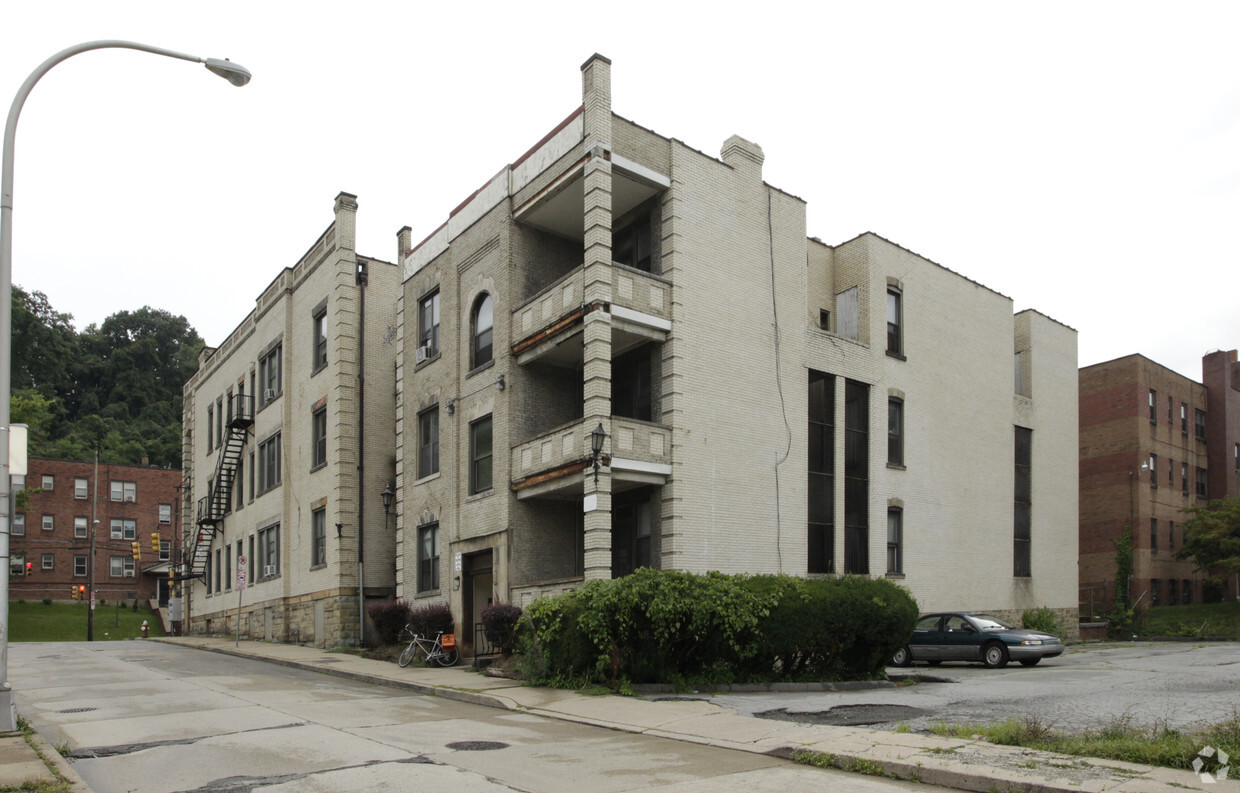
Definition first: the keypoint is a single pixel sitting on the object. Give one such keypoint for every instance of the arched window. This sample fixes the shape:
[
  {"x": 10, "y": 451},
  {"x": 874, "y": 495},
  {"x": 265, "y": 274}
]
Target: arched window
[{"x": 483, "y": 322}]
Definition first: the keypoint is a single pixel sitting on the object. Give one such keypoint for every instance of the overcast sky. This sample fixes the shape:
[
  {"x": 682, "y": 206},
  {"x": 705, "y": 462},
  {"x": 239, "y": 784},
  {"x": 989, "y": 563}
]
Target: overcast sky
[{"x": 1078, "y": 157}]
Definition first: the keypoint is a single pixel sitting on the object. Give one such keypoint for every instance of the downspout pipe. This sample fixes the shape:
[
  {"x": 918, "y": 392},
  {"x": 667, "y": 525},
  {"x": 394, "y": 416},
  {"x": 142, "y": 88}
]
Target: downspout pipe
[{"x": 361, "y": 453}]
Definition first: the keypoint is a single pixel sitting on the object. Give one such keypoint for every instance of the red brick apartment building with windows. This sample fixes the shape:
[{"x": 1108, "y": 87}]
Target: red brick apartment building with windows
[
  {"x": 52, "y": 532},
  {"x": 1153, "y": 443}
]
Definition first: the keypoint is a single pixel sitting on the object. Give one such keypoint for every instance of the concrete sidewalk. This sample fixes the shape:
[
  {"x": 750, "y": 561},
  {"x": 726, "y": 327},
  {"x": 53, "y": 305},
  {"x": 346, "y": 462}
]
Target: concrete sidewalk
[
  {"x": 34, "y": 764},
  {"x": 955, "y": 763}
]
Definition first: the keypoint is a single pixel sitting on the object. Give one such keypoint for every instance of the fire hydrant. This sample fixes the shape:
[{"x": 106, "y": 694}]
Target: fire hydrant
[{"x": 145, "y": 628}]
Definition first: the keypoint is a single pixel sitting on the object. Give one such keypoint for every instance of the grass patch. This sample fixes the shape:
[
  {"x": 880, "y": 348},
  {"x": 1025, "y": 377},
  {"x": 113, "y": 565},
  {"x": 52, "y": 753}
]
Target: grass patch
[
  {"x": 1118, "y": 740},
  {"x": 61, "y": 785},
  {"x": 1221, "y": 620},
  {"x": 66, "y": 622},
  {"x": 856, "y": 765}
]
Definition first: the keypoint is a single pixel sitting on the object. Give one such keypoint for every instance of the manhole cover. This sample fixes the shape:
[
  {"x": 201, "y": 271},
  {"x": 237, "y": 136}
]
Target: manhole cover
[
  {"x": 77, "y": 710},
  {"x": 847, "y": 715},
  {"x": 477, "y": 746}
]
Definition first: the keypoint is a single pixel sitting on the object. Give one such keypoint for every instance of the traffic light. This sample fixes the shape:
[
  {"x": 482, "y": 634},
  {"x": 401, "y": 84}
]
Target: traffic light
[
  {"x": 137, "y": 551},
  {"x": 73, "y": 592},
  {"x": 155, "y": 543},
  {"x": 29, "y": 568},
  {"x": 81, "y": 592}
]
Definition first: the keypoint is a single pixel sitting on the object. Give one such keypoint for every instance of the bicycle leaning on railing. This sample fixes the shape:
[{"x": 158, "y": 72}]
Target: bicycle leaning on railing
[{"x": 441, "y": 650}]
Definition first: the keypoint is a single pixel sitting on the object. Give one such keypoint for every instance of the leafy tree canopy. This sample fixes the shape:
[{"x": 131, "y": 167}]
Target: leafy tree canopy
[
  {"x": 1212, "y": 538},
  {"x": 114, "y": 387}
]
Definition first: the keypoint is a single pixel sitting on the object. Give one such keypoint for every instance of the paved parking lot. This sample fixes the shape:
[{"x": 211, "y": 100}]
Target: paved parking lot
[{"x": 1177, "y": 684}]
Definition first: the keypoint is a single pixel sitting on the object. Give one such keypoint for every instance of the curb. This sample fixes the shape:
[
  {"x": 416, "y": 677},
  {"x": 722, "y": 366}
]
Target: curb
[{"x": 61, "y": 763}]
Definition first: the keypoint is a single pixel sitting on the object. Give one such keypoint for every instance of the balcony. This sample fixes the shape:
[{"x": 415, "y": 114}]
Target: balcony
[
  {"x": 548, "y": 326},
  {"x": 552, "y": 466}
]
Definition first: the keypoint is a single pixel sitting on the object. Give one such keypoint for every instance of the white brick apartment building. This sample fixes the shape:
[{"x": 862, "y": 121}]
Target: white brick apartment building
[
  {"x": 288, "y": 447},
  {"x": 771, "y": 403}
]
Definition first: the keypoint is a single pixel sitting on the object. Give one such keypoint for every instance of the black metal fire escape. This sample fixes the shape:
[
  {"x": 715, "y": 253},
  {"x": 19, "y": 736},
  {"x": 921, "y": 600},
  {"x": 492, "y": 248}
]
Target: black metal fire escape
[{"x": 215, "y": 505}]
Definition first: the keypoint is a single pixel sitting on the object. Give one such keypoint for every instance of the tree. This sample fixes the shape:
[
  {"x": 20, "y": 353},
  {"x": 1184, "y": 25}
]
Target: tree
[{"x": 1212, "y": 538}]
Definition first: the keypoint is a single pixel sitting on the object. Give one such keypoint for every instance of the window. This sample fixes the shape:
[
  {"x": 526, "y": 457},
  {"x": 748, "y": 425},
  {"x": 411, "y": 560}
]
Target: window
[
  {"x": 1172, "y": 591},
  {"x": 895, "y": 432},
  {"x": 1170, "y": 409},
  {"x": 1201, "y": 483},
  {"x": 49, "y": 523},
  {"x": 895, "y": 339},
  {"x": 482, "y": 322},
  {"x": 1153, "y": 471},
  {"x": 1153, "y": 406},
  {"x": 318, "y": 538},
  {"x": 630, "y": 532},
  {"x": 856, "y": 477},
  {"x": 79, "y": 527},
  {"x": 210, "y": 428},
  {"x": 252, "y": 469},
  {"x": 1237, "y": 454},
  {"x": 1171, "y": 535},
  {"x": 269, "y": 375},
  {"x": 218, "y": 569},
  {"x": 49, "y": 561},
  {"x": 49, "y": 482},
  {"x": 1184, "y": 418},
  {"x": 895, "y": 536},
  {"x": 1200, "y": 424},
  {"x": 79, "y": 564},
  {"x": 124, "y": 491},
  {"x": 1154, "y": 596},
  {"x": 269, "y": 463},
  {"x": 428, "y": 324},
  {"x": 269, "y": 551},
  {"x": 1019, "y": 373},
  {"x": 428, "y": 442},
  {"x": 165, "y": 550},
  {"x": 1154, "y": 535},
  {"x": 824, "y": 319},
  {"x": 219, "y": 422},
  {"x": 1184, "y": 478},
  {"x": 1170, "y": 472},
  {"x": 320, "y": 339},
  {"x": 428, "y": 558},
  {"x": 480, "y": 455},
  {"x": 206, "y": 573},
  {"x": 1187, "y": 589},
  {"x": 631, "y": 244},
  {"x": 1022, "y": 566},
  {"x": 239, "y": 482},
  {"x": 227, "y": 566},
  {"x": 19, "y": 524},
  {"x": 165, "y": 513},
  {"x": 121, "y": 566},
  {"x": 318, "y": 432},
  {"x": 848, "y": 314},
  {"x": 123, "y": 529},
  {"x": 81, "y": 488},
  {"x": 821, "y": 473}
]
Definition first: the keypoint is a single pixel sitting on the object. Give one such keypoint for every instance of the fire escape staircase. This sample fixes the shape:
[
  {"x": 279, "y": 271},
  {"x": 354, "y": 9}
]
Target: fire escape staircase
[{"x": 216, "y": 504}]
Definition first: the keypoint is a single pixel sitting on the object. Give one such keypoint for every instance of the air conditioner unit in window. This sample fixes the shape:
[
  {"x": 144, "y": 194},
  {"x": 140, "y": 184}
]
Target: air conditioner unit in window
[
  {"x": 268, "y": 570},
  {"x": 129, "y": 573},
  {"x": 130, "y": 498},
  {"x": 269, "y": 394},
  {"x": 423, "y": 353}
]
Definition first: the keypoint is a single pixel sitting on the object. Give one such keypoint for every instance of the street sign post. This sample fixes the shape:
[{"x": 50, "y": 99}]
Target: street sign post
[{"x": 241, "y": 566}]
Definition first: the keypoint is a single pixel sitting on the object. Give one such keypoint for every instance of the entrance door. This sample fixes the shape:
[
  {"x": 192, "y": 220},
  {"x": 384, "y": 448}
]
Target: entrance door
[{"x": 479, "y": 586}]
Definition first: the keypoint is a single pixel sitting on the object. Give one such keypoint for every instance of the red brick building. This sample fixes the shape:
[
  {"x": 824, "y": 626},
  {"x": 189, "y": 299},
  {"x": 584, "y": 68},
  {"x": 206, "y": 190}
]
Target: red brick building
[
  {"x": 51, "y": 534},
  {"x": 1153, "y": 443}
]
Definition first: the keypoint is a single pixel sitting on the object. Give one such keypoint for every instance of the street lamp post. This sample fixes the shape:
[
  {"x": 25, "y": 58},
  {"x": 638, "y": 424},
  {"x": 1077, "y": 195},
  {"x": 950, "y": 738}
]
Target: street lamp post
[{"x": 238, "y": 76}]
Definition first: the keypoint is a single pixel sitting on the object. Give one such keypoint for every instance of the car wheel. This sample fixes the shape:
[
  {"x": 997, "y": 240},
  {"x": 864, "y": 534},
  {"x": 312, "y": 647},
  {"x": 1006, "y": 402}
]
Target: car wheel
[
  {"x": 902, "y": 657},
  {"x": 1029, "y": 661},
  {"x": 994, "y": 655}
]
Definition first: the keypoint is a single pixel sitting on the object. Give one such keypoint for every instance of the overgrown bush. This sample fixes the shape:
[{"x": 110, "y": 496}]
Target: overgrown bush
[
  {"x": 830, "y": 628},
  {"x": 1043, "y": 619},
  {"x": 662, "y": 626},
  {"x": 431, "y": 619},
  {"x": 47, "y": 601},
  {"x": 389, "y": 616},
  {"x": 499, "y": 622}
]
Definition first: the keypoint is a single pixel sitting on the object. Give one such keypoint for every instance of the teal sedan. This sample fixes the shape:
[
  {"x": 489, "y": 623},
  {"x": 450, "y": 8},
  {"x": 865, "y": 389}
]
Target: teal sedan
[{"x": 973, "y": 636}]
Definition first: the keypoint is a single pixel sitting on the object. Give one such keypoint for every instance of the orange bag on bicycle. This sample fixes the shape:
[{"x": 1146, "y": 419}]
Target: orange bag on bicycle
[{"x": 448, "y": 641}]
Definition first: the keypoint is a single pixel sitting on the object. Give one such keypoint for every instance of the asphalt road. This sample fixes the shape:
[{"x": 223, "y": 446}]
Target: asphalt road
[
  {"x": 1148, "y": 684},
  {"x": 156, "y": 718}
]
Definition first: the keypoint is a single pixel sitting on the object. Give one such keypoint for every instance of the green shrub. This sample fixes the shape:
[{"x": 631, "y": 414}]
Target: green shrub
[
  {"x": 1043, "y": 619},
  {"x": 672, "y": 627},
  {"x": 389, "y": 616},
  {"x": 47, "y": 601}
]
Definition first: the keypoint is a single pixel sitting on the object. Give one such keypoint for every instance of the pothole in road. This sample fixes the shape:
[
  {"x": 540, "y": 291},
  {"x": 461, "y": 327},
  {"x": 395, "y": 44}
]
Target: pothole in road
[
  {"x": 847, "y": 715},
  {"x": 476, "y": 746}
]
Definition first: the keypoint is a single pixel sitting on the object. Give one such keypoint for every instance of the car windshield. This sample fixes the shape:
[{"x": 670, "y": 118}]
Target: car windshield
[{"x": 988, "y": 623}]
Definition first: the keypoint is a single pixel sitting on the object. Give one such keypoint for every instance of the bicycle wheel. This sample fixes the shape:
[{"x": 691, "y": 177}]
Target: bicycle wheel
[
  {"x": 448, "y": 656},
  {"x": 406, "y": 655}
]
